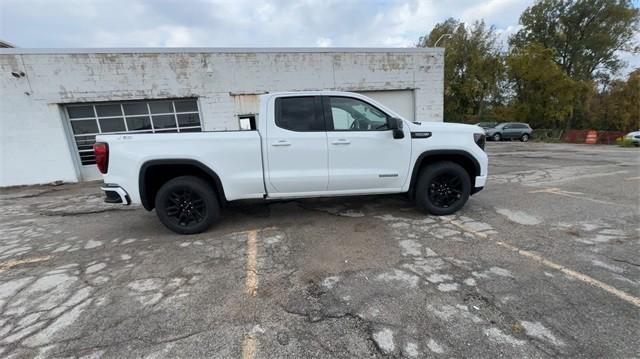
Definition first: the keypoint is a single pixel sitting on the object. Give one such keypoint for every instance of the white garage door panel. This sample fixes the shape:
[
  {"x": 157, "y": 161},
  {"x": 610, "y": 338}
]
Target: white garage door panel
[{"x": 401, "y": 101}]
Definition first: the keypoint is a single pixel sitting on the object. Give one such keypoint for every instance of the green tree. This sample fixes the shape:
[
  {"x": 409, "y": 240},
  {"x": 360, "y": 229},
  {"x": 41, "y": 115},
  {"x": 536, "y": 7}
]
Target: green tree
[
  {"x": 473, "y": 69},
  {"x": 617, "y": 106},
  {"x": 585, "y": 35},
  {"x": 543, "y": 92}
]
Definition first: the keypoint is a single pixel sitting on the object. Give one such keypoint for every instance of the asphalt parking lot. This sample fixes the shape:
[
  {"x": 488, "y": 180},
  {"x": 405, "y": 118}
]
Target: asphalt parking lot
[{"x": 542, "y": 263}]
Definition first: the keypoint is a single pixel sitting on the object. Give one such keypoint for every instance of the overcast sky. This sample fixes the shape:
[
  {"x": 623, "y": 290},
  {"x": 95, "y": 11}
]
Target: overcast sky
[{"x": 243, "y": 23}]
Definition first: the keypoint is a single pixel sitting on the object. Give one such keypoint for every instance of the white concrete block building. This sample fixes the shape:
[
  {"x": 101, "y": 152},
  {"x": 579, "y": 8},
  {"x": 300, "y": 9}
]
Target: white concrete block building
[{"x": 54, "y": 102}]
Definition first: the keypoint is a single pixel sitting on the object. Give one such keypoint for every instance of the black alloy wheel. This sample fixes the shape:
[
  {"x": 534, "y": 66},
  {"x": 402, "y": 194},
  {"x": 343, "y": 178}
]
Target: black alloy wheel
[
  {"x": 187, "y": 205},
  {"x": 445, "y": 190},
  {"x": 442, "y": 188}
]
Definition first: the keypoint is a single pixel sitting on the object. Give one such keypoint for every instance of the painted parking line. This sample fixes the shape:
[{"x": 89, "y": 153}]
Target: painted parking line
[
  {"x": 632, "y": 179},
  {"x": 251, "y": 265},
  {"x": 577, "y": 195},
  {"x": 250, "y": 341},
  {"x": 249, "y": 347},
  {"x": 553, "y": 265},
  {"x": 16, "y": 262}
]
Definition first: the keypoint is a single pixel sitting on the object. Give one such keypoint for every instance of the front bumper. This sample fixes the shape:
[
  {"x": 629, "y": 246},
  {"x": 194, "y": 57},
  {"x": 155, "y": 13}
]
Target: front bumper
[
  {"x": 479, "y": 184},
  {"x": 481, "y": 181},
  {"x": 115, "y": 194}
]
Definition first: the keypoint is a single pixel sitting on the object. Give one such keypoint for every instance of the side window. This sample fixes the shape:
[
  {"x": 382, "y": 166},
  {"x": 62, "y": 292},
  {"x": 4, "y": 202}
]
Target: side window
[
  {"x": 342, "y": 120},
  {"x": 298, "y": 114},
  {"x": 350, "y": 114}
]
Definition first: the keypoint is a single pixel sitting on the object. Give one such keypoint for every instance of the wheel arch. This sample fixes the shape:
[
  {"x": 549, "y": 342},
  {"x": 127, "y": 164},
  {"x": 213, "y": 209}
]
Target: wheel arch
[
  {"x": 154, "y": 173},
  {"x": 461, "y": 157}
]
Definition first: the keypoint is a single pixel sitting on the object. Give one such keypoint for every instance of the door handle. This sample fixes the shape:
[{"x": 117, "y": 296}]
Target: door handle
[
  {"x": 341, "y": 141},
  {"x": 281, "y": 143}
]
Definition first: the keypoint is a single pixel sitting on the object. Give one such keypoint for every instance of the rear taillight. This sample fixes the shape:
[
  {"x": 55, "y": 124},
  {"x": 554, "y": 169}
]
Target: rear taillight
[
  {"x": 101, "y": 150},
  {"x": 479, "y": 139}
]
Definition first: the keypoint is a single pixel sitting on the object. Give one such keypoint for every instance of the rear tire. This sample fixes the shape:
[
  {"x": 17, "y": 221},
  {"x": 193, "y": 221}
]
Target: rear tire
[
  {"x": 442, "y": 188},
  {"x": 187, "y": 205},
  {"x": 524, "y": 138}
]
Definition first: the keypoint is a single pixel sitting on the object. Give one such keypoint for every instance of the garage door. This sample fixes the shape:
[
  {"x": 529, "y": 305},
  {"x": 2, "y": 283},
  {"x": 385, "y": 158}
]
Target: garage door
[
  {"x": 157, "y": 116},
  {"x": 401, "y": 101}
]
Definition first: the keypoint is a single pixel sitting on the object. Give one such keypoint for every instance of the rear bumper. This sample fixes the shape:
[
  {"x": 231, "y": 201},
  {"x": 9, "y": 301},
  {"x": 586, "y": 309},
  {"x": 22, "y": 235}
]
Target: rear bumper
[{"x": 115, "y": 194}]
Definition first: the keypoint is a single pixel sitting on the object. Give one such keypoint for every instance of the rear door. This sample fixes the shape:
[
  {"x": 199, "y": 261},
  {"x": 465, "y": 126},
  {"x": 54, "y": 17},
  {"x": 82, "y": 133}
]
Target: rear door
[
  {"x": 363, "y": 155},
  {"x": 296, "y": 143}
]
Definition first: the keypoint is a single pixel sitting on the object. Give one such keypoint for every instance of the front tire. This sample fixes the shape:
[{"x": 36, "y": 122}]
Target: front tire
[
  {"x": 524, "y": 138},
  {"x": 187, "y": 205},
  {"x": 497, "y": 137},
  {"x": 442, "y": 188}
]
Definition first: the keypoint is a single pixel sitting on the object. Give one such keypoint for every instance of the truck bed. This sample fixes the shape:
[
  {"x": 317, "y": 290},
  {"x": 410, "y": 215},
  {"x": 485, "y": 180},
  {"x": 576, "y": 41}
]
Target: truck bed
[{"x": 233, "y": 155}]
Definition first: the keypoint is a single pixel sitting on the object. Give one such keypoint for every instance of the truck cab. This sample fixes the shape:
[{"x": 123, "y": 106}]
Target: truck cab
[
  {"x": 323, "y": 144},
  {"x": 306, "y": 144}
]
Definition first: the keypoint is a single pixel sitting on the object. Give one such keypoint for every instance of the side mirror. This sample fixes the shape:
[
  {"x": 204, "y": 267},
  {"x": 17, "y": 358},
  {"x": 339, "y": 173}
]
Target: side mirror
[{"x": 395, "y": 124}]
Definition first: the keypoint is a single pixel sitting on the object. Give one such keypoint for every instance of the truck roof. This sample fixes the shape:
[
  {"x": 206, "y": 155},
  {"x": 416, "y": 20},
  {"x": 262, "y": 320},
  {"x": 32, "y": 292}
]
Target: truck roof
[{"x": 315, "y": 93}]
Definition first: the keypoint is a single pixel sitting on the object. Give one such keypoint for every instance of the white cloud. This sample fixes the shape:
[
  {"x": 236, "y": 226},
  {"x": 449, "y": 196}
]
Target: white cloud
[
  {"x": 495, "y": 11},
  {"x": 323, "y": 42},
  {"x": 246, "y": 23},
  {"x": 98, "y": 23}
]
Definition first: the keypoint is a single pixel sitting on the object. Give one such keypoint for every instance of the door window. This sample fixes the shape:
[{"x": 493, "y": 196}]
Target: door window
[
  {"x": 299, "y": 114},
  {"x": 350, "y": 114}
]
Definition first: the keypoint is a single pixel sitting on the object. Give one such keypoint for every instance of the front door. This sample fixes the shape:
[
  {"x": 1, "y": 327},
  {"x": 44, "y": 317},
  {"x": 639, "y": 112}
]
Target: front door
[
  {"x": 363, "y": 155},
  {"x": 296, "y": 145},
  {"x": 510, "y": 131}
]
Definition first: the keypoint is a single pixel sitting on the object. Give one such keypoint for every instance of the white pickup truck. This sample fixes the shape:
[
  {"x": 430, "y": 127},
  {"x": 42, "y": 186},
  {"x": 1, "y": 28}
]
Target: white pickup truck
[{"x": 306, "y": 144}]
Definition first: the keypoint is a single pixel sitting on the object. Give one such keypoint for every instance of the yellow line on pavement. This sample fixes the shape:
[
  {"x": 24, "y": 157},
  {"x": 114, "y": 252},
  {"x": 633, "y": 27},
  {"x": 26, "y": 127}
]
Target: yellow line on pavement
[
  {"x": 249, "y": 347},
  {"x": 573, "y": 274},
  {"x": 547, "y": 263},
  {"x": 250, "y": 342},
  {"x": 251, "y": 264},
  {"x": 16, "y": 262},
  {"x": 560, "y": 192},
  {"x": 554, "y": 190},
  {"x": 632, "y": 179}
]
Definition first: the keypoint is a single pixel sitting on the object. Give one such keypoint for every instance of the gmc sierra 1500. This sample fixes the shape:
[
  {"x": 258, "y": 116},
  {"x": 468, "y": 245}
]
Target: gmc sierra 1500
[{"x": 307, "y": 144}]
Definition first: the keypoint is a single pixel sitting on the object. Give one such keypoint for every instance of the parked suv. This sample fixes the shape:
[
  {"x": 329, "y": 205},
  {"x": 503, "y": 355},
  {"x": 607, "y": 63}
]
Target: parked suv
[{"x": 510, "y": 131}]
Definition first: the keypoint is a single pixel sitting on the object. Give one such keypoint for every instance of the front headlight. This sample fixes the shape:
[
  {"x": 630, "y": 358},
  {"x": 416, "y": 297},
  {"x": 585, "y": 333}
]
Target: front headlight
[{"x": 480, "y": 139}]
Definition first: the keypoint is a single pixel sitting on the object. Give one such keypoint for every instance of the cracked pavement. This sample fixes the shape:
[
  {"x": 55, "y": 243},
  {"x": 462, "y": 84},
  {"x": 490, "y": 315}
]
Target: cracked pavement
[{"x": 541, "y": 263}]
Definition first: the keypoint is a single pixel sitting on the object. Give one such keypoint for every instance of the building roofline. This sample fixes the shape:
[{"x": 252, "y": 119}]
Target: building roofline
[{"x": 216, "y": 50}]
